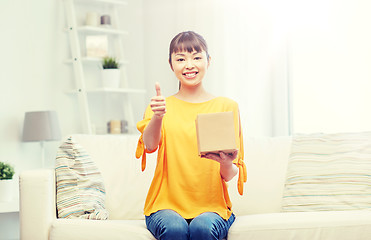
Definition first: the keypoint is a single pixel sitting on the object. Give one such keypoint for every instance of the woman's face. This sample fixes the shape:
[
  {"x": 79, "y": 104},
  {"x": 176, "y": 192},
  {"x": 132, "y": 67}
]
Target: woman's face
[{"x": 189, "y": 68}]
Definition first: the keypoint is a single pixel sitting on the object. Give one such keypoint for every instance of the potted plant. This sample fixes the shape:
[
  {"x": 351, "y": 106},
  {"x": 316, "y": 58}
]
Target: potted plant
[
  {"x": 6, "y": 182},
  {"x": 110, "y": 73}
]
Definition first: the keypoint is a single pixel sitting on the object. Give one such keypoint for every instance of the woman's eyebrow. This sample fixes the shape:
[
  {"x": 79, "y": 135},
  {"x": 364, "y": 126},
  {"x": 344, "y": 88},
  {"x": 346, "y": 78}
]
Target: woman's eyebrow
[{"x": 182, "y": 54}]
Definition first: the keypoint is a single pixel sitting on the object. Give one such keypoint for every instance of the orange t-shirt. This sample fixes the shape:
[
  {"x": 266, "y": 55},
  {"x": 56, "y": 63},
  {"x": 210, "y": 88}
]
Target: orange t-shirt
[{"x": 183, "y": 181}]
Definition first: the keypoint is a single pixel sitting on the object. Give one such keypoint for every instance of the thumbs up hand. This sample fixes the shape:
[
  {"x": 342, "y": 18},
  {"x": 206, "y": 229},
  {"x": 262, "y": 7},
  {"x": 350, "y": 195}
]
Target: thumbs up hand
[{"x": 158, "y": 104}]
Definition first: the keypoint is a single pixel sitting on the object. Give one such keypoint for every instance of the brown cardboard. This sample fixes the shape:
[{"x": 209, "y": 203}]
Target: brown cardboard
[{"x": 215, "y": 132}]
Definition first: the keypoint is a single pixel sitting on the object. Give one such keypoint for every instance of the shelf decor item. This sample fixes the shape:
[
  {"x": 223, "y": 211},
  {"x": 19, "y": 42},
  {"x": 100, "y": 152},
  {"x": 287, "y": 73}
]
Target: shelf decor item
[
  {"x": 39, "y": 127},
  {"x": 110, "y": 73},
  {"x": 105, "y": 20},
  {"x": 96, "y": 46},
  {"x": 6, "y": 182},
  {"x": 91, "y": 19},
  {"x": 115, "y": 127}
]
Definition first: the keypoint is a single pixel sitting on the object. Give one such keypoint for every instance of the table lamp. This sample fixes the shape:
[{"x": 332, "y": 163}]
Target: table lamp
[{"x": 41, "y": 126}]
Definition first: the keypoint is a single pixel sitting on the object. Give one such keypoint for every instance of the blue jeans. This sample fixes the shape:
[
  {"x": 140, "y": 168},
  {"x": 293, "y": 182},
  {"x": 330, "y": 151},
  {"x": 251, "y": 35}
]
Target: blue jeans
[{"x": 169, "y": 225}]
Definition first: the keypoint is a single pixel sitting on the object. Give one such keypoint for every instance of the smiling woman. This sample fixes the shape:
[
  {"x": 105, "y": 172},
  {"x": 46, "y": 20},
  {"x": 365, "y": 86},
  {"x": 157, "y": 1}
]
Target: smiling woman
[{"x": 188, "y": 197}]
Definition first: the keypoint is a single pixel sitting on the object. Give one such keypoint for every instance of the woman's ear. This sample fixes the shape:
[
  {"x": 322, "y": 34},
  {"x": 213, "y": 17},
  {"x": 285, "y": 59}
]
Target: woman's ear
[
  {"x": 208, "y": 62},
  {"x": 171, "y": 65}
]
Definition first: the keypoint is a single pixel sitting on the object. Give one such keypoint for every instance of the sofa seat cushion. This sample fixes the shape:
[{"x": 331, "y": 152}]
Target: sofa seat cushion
[
  {"x": 340, "y": 225},
  {"x": 82, "y": 229}
]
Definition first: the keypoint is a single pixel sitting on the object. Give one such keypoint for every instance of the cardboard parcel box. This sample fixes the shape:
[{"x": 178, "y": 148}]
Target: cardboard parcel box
[{"x": 215, "y": 132}]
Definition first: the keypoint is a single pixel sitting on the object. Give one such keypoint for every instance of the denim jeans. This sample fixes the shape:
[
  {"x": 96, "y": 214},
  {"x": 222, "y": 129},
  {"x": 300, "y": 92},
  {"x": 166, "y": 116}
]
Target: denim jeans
[{"x": 169, "y": 225}]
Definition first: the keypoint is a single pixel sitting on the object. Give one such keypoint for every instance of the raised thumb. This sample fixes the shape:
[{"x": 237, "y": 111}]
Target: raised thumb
[{"x": 158, "y": 89}]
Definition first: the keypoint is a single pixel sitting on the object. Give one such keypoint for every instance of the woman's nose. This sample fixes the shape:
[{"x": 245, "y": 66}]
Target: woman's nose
[{"x": 189, "y": 64}]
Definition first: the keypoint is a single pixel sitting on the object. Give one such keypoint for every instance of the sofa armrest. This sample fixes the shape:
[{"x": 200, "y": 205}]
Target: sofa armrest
[{"x": 37, "y": 203}]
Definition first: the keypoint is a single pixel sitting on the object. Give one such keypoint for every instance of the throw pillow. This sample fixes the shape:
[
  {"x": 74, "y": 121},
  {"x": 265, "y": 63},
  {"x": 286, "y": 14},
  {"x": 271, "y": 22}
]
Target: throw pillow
[
  {"x": 80, "y": 188},
  {"x": 329, "y": 172}
]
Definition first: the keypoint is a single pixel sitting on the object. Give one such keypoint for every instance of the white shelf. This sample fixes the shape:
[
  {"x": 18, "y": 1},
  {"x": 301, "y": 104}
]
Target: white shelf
[
  {"x": 101, "y": 30},
  {"x": 110, "y": 90},
  {"x": 116, "y": 90},
  {"x": 115, "y": 35},
  {"x": 90, "y": 60},
  {"x": 13, "y": 205},
  {"x": 9, "y": 207},
  {"x": 115, "y": 2}
]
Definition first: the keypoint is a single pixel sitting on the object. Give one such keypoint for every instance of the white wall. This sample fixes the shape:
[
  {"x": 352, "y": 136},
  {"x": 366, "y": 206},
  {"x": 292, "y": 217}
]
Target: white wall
[
  {"x": 159, "y": 28},
  {"x": 34, "y": 77},
  {"x": 329, "y": 61},
  {"x": 28, "y": 66}
]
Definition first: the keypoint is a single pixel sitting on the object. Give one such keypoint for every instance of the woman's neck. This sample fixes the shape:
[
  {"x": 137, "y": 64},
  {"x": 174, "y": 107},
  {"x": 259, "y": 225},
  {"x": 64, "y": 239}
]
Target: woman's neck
[{"x": 194, "y": 94}]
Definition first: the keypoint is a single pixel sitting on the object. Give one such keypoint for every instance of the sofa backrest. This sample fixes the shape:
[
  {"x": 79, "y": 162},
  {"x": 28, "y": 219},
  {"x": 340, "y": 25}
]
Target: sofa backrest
[
  {"x": 127, "y": 186},
  {"x": 266, "y": 160}
]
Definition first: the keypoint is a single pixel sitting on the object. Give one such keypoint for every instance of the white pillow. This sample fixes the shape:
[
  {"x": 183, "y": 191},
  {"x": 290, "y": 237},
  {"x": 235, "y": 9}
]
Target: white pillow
[
  {"x": 329, "y": 172},
  {"x": 80, "y": 188}
]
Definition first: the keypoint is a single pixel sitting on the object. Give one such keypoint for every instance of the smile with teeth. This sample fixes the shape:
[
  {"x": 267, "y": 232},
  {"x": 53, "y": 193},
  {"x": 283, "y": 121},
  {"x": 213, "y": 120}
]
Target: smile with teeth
[{"x": 190, "y": 74}]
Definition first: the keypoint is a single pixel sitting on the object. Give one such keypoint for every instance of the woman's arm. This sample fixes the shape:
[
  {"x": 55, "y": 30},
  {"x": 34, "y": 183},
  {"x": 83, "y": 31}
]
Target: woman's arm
[
  {"x": 152, "y": 133},
  {"x": 227, "y": 168}
]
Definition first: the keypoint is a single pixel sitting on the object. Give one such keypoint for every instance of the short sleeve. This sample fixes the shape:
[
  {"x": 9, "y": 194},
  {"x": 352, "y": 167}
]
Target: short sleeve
[{"x": 141, "y": 126}]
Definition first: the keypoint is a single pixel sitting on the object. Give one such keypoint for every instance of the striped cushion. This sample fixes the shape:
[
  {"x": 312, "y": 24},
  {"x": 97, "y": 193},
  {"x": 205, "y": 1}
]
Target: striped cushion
[
  {"x": 329, "y": 172},
  {"x": 80, "y": 189}
]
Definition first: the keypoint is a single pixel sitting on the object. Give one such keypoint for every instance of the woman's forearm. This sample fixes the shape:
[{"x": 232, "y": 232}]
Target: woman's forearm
[
  {"x": 152, "y": 133},
  {"x": 228, "y": 170}
]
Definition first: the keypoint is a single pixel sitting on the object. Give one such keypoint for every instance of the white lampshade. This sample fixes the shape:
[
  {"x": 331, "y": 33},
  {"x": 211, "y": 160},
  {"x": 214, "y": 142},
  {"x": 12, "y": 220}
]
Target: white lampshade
[{"x": 41, "y": 126}]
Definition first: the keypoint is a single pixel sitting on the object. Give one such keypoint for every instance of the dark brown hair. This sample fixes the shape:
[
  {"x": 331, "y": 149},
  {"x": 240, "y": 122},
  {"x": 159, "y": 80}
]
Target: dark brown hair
[{"x": 188, "y": 41}]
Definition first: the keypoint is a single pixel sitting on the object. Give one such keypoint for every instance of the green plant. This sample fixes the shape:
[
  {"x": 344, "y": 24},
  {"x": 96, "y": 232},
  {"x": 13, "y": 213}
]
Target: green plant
[
  {"x": 110, "y": 63},
  {"x": 6, "y": 171}
]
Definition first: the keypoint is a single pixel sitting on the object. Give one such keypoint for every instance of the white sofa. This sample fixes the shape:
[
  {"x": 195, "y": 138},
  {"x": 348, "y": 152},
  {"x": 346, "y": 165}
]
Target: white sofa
[{"x": 258, "y": 211}]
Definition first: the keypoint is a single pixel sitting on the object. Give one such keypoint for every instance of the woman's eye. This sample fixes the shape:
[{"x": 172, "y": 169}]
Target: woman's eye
[
  {"x": 198, "y": 58},
  {"x": 180, "y": 59}
]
